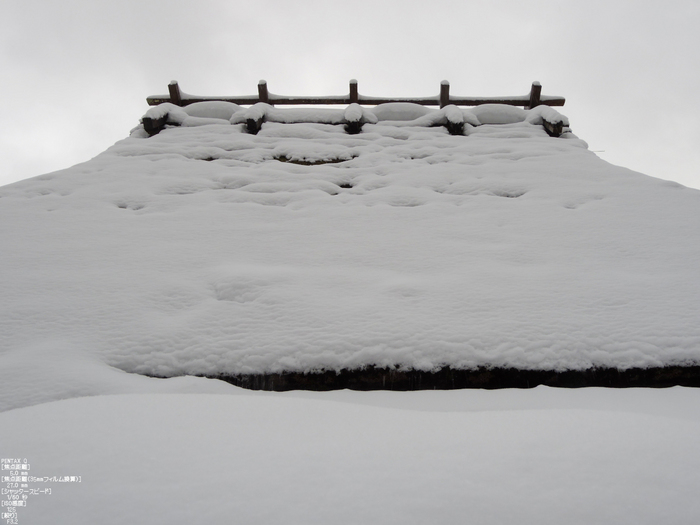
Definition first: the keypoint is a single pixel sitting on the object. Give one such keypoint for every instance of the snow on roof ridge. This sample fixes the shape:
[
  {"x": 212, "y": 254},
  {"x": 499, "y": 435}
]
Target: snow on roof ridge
[{"x": 455, "y": 119}]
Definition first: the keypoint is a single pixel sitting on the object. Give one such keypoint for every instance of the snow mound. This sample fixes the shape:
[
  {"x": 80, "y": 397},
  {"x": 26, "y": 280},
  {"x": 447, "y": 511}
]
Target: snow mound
[
  {"x": 207, "y": 250},
  {"x": 499, "y": 114},
  {"x": 394, "y": 114},
  {"x": 401, "y": 111},
  {"x": 548, "y": 457},
  {"x": 289, "y": 115},
  {"x": 212, "y": 109},
  {"x": 50, "y": 371}
]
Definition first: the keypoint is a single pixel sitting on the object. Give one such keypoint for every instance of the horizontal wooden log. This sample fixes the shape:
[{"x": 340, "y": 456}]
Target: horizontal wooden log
[
  {"x": 353, "y": 127},
  {"x": 553, "y": 129},
  {"x": 455, "y": 128},
  {"x": 368, "y": 101},
  {"x": 454, "y": 120},
  {"x": 353, "y": 117},
  {"x": 153, "y": 126},
  {"x": 252, "y": 126}
]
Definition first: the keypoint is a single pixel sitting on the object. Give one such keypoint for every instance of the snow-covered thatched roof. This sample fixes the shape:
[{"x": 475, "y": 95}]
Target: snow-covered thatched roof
[{"x": 207, "y": 250}]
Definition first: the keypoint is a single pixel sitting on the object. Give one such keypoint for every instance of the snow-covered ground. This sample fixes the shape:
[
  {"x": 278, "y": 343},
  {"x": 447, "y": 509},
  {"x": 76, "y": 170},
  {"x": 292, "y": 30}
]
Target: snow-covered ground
[
  {"x": 205, "y": 249},
  {"x": 541, "y": 457}
]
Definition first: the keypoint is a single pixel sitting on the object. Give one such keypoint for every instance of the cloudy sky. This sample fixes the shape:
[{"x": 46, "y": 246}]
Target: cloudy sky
[{"x": 76, "y": 73}]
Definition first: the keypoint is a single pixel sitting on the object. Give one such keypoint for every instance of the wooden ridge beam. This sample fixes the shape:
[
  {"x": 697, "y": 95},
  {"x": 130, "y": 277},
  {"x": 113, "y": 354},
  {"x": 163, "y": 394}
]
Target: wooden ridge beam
[{"x": 180, "y": 98}]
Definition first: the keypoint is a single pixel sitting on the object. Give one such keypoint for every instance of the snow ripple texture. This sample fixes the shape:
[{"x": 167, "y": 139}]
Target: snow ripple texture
[{"x": 206, "y": 250}]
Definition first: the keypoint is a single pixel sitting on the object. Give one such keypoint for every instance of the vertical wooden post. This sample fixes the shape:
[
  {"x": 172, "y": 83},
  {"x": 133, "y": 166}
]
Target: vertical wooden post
[
  {"x": 263, "y": 95},
  {"x": 354, "y": 96},
  {"x": 535, "y": 91},
  {"x": 175, "y": 95},
  {"x": 444, "y": 93}
]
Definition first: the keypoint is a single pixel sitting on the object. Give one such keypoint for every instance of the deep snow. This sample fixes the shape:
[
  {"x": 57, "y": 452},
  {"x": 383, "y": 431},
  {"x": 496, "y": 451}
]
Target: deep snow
[{"x": 539, "y": 457}]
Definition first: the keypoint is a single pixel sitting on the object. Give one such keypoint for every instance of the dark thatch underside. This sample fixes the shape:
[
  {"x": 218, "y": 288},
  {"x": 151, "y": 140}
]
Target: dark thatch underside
[{"x": 373, "y": 378}]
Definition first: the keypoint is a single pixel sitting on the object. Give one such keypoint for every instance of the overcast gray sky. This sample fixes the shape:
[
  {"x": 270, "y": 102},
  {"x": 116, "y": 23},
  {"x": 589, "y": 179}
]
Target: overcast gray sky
[{"x": 75, "y": 73}]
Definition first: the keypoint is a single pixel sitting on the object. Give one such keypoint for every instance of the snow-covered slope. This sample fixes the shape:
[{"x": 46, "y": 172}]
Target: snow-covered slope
[
  {"x": 206, "y": 250},
  {"x": 534, "y": 457}
]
